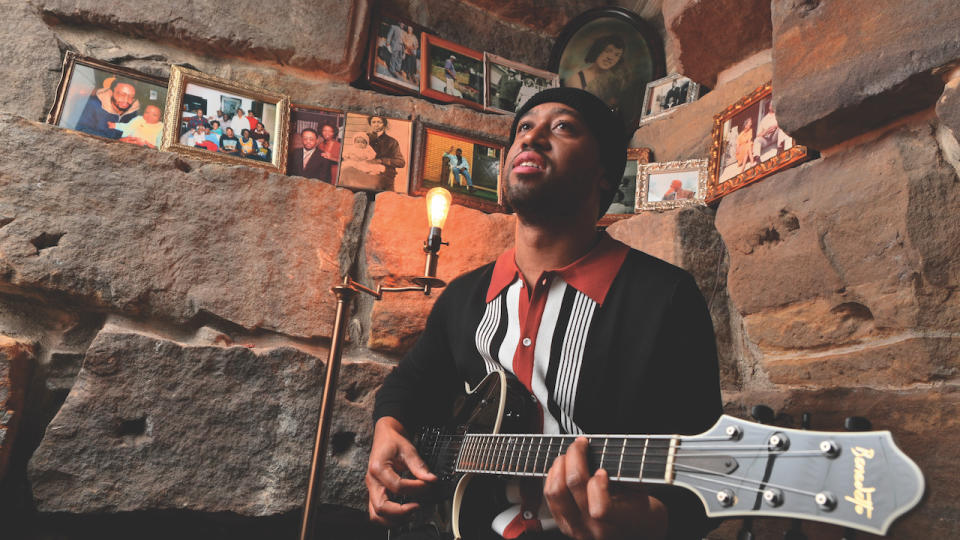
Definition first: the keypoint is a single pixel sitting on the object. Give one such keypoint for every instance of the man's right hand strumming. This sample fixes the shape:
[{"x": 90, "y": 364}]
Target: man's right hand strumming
[{"x": 391, "y": 455}]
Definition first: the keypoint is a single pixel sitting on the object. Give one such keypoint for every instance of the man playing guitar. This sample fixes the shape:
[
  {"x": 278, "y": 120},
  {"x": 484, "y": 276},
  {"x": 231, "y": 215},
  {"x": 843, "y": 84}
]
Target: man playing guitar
[{"x": 606, "y": 338}]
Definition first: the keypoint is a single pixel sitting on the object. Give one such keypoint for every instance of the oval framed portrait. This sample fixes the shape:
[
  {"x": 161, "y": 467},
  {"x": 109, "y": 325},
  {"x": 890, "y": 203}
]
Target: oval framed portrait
[{"x": 612, "y": 53}]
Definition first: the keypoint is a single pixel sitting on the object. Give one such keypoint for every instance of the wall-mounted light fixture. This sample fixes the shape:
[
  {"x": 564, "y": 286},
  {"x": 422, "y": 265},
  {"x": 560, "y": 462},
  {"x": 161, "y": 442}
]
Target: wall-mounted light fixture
[{"x": 438, "y": 206}]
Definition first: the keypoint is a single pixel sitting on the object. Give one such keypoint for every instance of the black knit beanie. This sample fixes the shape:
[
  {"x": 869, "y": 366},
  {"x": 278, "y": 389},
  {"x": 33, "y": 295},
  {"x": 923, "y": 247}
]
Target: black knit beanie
[{"x": 605, "y": 124}]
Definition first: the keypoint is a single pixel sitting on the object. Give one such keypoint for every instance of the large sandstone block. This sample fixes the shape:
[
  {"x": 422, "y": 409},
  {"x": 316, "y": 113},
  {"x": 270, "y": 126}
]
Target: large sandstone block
[
  {"x": 687, "y": 238},
  {"x": 924, "y": 422},
  {"x": 687, "y": 132},
  {"x": 153, "y": 424},
  {"x": 843, "y": 268},
  {"x": 328, "y": 36},
  {"x": 29, "y": 61},
  {"x": 711, "y": 35},
  {"x": 148, "y": 233},
  {"x": 842, "y": 68},
  {"x": 16, "y": 363},
  {"x": 394, "y": 254}
]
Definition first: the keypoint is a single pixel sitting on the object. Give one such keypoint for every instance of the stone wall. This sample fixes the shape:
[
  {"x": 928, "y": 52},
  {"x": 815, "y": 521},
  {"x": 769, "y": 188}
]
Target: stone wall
[{"x": 165, "y": 322}]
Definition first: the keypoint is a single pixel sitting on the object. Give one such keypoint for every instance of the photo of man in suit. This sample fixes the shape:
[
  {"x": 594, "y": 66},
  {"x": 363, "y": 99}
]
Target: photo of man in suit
[{"x": 307, "y": 161}]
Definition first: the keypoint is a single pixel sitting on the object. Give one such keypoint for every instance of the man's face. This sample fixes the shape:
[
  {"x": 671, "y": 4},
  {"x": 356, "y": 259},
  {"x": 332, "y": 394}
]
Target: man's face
[
  {"x": 553, "y": 166},
  {"x": 459, "y": 152},
  {"x": 123, "y": 96},
  {"x": 376, "y": 123},
  {"x": 309, "y": 140},
  {"x": 151, "y": 114},
  {"x": 229, "y": 132},
  {"x": 609, "y": 57}
]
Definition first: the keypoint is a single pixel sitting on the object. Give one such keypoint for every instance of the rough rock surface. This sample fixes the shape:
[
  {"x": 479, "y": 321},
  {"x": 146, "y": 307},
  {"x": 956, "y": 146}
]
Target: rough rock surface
[
  {"x": 16, "y": 362},
  {"x": 746, "y": 29},
  {"x": 128, "y": 229},
  {"x": 152, "y": 424},
  {"x": 948, "y": 106},
  {"x": 686, "y": 133},
  {"x": 844, "y": 268},
  {"x": 394, "y": 254},
  {"x": 924, "y": 422},
  {"x": 687, "y": 238},
  {"x": 865, "y": 67},
  {"x": 33, "y": 60},
  {"x": 244, "y": 29}
]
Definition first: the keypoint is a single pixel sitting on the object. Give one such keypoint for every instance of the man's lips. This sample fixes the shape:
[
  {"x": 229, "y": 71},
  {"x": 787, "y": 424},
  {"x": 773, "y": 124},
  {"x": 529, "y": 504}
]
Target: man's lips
[{"x": 528, "y": 162}]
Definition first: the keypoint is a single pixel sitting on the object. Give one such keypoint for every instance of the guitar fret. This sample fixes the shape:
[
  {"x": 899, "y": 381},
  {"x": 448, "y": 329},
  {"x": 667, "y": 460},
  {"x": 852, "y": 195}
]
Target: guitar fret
[
  {"x": 535, "y": 458},
  {"x": 643, "y": 457},
  {"x": 623, "y": 448},
  {"x": 485, "y": 454},
  {"x": 603, "y": 452}
]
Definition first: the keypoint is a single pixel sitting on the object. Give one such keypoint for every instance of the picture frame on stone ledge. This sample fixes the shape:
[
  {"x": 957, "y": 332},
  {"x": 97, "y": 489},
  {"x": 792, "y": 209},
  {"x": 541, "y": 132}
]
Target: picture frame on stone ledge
[
  {"x": 613, "y": 53},
  {"x": 672, "y": 184},
  {"x": 664, "y": 95},
  {"x": 109, "y": 101},
  {"x": 748, "y": 145},
  {"x": 509, "y": 84},
  {"x": 320, "y": 129},
  {"x": 394, "y": 55},
  {"x": 451, "y": 73},
  {"x": 481, "y": 161},
  {"x": 376, "y": 153},
  {"x": 232, "y": 106},
  {"x": 624, "y": 204}
]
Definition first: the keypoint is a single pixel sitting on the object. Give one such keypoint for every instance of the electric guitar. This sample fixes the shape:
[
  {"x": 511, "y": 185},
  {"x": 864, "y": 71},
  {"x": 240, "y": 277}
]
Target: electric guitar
[{"x": 736, "y": 468}]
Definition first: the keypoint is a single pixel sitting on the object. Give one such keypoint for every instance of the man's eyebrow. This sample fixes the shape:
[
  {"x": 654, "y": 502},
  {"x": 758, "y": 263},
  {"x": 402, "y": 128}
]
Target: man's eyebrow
[{"x": 553, "y": 111}]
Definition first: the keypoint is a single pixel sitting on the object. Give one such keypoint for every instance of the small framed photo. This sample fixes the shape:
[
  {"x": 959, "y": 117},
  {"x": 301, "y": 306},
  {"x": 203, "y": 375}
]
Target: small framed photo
[
  {"x": 376, "y": 153},
  {"x": 109, "y": 101},
  {"x": 394, "y": 56},
  {"x": 663, "y": 95},
  {"x": 748, "y": 145},
  {"x": 624, "y": 200},
  {"x": 217, "y": 119},
  {"x": 510, "y": 84},
  {"x": 315, "y": 141},
  {"x": 451, "y": 73},
  {"x": 469, "y": 167},
  {"x": 672, "y": 184}
]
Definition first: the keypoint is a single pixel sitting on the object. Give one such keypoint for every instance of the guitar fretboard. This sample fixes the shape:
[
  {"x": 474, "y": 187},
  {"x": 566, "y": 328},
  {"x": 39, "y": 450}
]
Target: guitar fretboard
[{"x": 625, "y": 458}]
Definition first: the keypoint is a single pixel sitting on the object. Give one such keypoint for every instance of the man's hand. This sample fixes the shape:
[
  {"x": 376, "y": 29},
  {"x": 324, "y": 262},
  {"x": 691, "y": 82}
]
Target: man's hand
[
  {"x": 584, "y": 507},
  {"x": 392, "y": 454}
]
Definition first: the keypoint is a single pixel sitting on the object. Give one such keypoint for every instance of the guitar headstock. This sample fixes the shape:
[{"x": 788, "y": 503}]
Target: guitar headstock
[{"x": 858, "y": 480}]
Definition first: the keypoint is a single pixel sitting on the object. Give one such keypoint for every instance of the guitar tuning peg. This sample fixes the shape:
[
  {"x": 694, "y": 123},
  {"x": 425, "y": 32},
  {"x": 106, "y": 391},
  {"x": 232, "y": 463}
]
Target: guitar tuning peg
[
  {"x": 746, "y": 532},
  {"x": 805, "y": 421},
  {"x": 762, "y": 414},
  {"x": 795, "y": 532},
  {"x": 857, "y": 423}
]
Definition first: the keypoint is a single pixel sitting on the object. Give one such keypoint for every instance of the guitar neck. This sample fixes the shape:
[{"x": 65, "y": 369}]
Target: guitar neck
[{"x": 626, "y": 458}]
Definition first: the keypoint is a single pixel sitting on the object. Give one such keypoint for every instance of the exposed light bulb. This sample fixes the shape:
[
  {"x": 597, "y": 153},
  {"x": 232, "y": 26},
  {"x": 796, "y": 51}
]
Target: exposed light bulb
[{"x": 438, "y": 206}]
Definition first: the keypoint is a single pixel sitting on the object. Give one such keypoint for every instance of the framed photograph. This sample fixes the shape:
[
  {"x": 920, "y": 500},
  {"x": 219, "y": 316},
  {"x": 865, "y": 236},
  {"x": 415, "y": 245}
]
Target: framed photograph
[
  {"x": 663, "y": 95},
  {"x": 451, "y": 73},
  {"x": 612, "y": 53},
  {"x": 109, "y": 101},
  {"x": 393, "y": 62},
  {"x": 217, "y": 119},
  {"x": 624, "y": 200},
  {"x": 510, "y": 84},
  {"x": 468, "y": 166},
  {"x": 748, "y": 145},
  {"x": 315, "y": 141},
  {"x": 376, "y": 153},
  {"x": 672, "y": 184}
]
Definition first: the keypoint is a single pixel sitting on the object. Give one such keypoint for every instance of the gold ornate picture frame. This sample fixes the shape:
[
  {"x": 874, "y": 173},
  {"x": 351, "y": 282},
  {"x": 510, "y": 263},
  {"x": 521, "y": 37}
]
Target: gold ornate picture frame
[
  {"x": 748, "y": 145},
  {"x": 234, "y": 108},
  {"x": 624, "y": 201},
  {"x": 671, "y": 184}
]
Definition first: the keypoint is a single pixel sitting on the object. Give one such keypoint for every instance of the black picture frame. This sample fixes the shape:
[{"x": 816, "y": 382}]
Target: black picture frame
[
  {"x": 622, "y": 85},
  {"x": 378, "y": 72}
]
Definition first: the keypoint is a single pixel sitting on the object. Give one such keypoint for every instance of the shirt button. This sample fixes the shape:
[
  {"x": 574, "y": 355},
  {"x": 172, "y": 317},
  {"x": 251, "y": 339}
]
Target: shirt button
[
  {"x": 526, "y": 342},
  {"x": 527, "y": 514}
]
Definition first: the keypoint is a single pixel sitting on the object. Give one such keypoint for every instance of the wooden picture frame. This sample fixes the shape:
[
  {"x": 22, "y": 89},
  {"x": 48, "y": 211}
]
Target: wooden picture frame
[
  {"x": 624, "y": 201},
  {"x": 740, "y": 154},
  {"x": 509, "y": 84},
  {"x": 394, "y": 57},
  {"x": 672, "y": 184},
  {"x": 87, "y": 101},
  {"x": 663, "y": 96},
  {"x": 613, "y": 53},
  {"x": 192, "y": 90},
  {"x": 327, "y": 126},
  {"x": 484, "y": 163},
  {"x": 463, "y": 85},
  {"x": 376, "y": 153}
]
